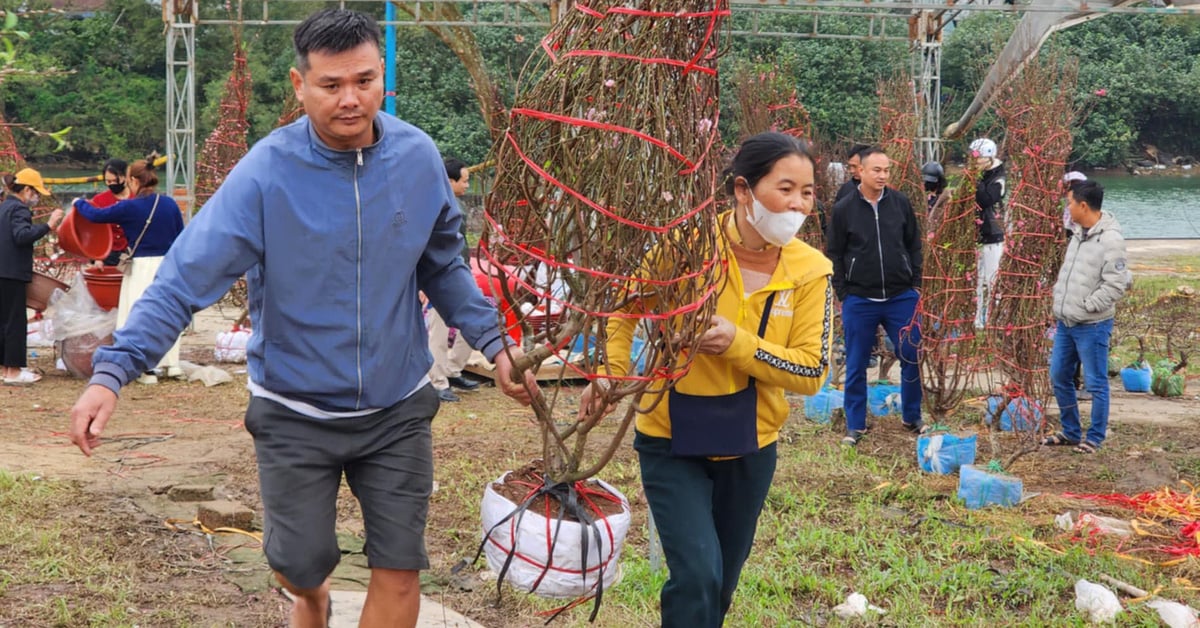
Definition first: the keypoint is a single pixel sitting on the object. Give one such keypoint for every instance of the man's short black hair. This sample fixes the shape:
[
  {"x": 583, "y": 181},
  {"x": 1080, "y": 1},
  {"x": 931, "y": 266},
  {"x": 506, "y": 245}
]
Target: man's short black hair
[
  {"x": 870, "y": 150},
  {"x": 454, "y": 168},
  {"x": 857, "y": 149},
  {"x": 1090, "y": 192},
  {"x": 333, "y": 31}
]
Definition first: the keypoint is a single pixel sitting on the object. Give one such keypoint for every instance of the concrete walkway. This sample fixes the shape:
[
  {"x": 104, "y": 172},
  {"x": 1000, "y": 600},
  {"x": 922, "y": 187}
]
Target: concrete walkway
[{"x": 347, "y": 606}]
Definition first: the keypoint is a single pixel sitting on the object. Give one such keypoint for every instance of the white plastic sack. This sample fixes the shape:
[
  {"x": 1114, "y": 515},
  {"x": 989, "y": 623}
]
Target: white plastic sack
[
  {"x": 231, "y": 345},
  {"x": 564, "y": 579},
  {"x": 39, "y": 334},
  {"x": 1096, "y": 602},
  {"x": 208, "y": 375},
  {"x": 1174, "y": 614},
  {"x": 75, "y": 313},
  {"x": 856, "y": 605}
]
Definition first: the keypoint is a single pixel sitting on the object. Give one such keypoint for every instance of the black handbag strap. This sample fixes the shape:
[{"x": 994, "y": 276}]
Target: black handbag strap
[{"x": 762, "y": 326}]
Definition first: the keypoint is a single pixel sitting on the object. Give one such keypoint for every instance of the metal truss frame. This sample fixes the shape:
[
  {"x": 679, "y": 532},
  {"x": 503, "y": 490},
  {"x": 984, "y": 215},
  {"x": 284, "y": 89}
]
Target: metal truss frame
[{"x": 917, "y": 22}]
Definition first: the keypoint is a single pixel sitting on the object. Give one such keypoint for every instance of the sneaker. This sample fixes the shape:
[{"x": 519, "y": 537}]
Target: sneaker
[
  {"x": 24, "y": 378},
  {"x": 448, "y": 395},
  {"x": 148, "y": 379},
  {"x": 851, "y": 438},
  {"x": 174, "y": 372},
  {"x": 462, "y": 383}
]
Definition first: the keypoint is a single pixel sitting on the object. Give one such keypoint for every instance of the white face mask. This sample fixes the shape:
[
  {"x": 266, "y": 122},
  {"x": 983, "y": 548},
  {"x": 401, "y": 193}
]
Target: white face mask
[{"x": 776, "y": 228}]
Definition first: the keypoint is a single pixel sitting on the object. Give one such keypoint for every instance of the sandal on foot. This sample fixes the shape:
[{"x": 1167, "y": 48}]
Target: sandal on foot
[
  {"x": 916, "y": 428},
  {"x": 1059, "y": 440},
  {"x": 24, "y": 378},
  {"x": 851, "y": 438},
  {"x": 1085, "y": 448}
]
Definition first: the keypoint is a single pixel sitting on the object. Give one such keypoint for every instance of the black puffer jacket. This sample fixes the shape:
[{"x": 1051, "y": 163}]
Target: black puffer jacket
[
  {"x": 17, "y": 235},
  {"x": 989, "y": 204},
  {"x": 876, "y": 255}
]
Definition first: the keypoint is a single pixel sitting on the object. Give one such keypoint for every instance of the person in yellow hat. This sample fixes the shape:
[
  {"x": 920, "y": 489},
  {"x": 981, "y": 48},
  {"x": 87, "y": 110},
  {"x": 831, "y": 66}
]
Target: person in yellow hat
[{"x": 16, "y": 267}]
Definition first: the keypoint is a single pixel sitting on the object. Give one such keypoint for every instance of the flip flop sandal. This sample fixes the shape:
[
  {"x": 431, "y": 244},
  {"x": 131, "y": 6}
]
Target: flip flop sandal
[
  {"x": 1059, "y": 440},
  {"x": 851, "y": 439},
  {"x": 1085, "y": 448}
]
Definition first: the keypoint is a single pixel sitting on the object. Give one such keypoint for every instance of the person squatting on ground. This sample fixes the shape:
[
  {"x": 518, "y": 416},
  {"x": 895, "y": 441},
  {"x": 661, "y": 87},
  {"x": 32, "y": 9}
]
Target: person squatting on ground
[
  {"x": 17, "y": 237},
  {"x": 114, "y": 172},
  {"x": 933, "y": 176},
  {"x": 338, "y": 221},
  {"x": 1092, "y": 278},
  {"x": 156, "y": 221},
  {"x": 874, "y": 242},
  {"x": 989, "y": 207},
  {"x": 707, "y": 461},
  {"x": 450, "y": 356}
]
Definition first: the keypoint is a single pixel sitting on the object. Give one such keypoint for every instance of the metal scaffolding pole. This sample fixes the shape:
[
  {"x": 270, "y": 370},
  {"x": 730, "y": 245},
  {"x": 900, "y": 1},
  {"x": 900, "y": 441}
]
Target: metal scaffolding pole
[
  {"x": 927, "y": 76},
  {"x": 180, "y": 18}
]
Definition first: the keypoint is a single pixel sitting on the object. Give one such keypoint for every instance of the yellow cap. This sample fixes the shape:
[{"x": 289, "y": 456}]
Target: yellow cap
[{"x": 32, "y": 178}]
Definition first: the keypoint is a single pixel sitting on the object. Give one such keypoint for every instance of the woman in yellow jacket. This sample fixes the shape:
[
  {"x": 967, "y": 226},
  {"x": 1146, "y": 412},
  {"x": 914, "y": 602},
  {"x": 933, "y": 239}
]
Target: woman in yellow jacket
[{"x": 707, "y": 452}]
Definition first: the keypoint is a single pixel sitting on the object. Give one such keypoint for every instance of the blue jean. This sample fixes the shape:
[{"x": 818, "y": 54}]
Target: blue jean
[
  {"x": 1088, "y": 345},
  {"x": 860, "y": 318},
  {"x": 706, "y": 512}
]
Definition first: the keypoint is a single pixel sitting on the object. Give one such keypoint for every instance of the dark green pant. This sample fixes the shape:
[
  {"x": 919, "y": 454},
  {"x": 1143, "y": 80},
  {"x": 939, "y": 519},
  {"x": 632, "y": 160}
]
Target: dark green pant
[{"x": 706, "y": 512}]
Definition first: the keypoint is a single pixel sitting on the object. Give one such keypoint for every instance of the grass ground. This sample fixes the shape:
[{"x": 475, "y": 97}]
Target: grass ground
[{"x": 82, "y": 542}]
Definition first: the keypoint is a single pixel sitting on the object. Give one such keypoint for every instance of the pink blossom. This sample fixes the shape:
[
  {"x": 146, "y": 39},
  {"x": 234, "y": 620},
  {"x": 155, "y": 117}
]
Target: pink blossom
[
  {"x": 667, "y": 196},
  {"x": 1102, "y": 92},
  {"x": 609, "y": 83}
]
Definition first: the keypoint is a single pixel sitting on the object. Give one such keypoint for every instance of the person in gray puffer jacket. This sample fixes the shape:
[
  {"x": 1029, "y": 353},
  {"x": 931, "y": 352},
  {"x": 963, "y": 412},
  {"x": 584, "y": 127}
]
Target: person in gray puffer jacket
[{"x": 1093, "y": 277}]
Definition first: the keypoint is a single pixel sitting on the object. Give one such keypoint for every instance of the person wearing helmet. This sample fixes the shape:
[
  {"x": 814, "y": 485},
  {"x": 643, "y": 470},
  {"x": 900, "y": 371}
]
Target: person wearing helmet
[
  {"x": 934, "y": 177},
  {"x": 989, "y": 201}
]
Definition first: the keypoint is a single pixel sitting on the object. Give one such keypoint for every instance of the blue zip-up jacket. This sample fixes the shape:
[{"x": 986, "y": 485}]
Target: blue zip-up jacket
[{"x": 335, "y": 246}]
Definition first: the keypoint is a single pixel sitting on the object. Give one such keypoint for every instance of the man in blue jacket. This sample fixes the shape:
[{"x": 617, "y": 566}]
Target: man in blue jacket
[
  {"x": 338, "y": 221},
  {"x": 874, "y": 242}
]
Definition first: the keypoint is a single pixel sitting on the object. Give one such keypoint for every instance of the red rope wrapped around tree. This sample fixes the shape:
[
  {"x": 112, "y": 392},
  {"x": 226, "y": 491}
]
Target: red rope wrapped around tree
[
  {"x": 226, "y": 145},
  {"x": 604, "y": 189}
]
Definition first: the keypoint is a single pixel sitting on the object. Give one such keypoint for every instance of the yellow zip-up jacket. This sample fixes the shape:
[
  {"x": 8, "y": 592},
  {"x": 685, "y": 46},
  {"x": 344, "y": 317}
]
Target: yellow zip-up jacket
[{"x": 793, "y": 353}]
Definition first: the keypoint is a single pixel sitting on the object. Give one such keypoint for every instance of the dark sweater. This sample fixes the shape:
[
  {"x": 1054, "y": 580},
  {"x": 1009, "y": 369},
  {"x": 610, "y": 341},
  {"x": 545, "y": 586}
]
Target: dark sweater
[
  {"x": 131, "y": 215},
  {"x": 876, "y": 255},
  {"x": 17, "y": 235},
  {"x": 989, "y": 202}
]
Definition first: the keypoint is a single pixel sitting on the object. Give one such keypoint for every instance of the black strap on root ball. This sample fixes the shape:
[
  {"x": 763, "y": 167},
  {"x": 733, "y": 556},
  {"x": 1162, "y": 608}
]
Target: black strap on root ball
[{"x": 568, "y": 504}]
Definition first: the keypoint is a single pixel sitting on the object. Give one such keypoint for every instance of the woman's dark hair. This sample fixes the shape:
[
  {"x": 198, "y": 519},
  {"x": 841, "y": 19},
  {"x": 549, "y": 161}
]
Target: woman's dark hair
[
  {"x": 758, "y": 154},
  {"x": 10, "y": 184},
  {"x": 115, "y": 166},
  {"x": 142, "y": 171},
  {"x": 332, "y": 31}
]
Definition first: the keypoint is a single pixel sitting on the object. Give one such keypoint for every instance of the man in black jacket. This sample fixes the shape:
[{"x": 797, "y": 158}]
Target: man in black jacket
[
  {"x": 989, "y": 207},
  {"x": 874, "y": 241}
]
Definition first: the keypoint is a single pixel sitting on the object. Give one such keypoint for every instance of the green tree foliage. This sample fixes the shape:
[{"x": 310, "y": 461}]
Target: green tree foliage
[
  {"x": 1137, "y": 73},
  {"x": 114, "y": 100}
]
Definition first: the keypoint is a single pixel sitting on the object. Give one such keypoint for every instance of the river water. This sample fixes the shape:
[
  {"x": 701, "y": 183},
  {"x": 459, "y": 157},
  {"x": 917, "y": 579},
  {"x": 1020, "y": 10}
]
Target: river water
[
  {"x": 1146, "y": 206},
  {"x": 1153, "y": 206}
]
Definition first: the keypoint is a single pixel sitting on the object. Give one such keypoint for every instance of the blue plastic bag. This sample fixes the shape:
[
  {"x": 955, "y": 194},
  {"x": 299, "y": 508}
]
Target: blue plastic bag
[
  {"x": 944, "y": 453},
  {"x": 978, "y": 488},
  {"x": 820, "y": 407},
  {"x": 1137, "y": 379},
  {"x": 883, "y": 399},
  {"x": 1022, "y": 413},
  {"x": 586, "y": 345}
]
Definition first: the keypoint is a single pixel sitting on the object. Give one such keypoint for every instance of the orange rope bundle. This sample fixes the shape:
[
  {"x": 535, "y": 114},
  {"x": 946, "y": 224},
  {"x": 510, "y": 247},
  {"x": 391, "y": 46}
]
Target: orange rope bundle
[{"x": 1162, "y": 507}]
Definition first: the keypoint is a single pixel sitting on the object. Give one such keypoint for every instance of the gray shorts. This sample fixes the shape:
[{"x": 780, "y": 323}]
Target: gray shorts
[{"x": 388, "y": 461}]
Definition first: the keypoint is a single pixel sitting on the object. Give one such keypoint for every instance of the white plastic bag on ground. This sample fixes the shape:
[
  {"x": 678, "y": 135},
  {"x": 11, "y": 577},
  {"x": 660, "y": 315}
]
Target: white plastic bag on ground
[
  {"x": 231, "y": 345},
  {"x": 1174, "y": 614},
  {"x": 1096, "y": 602},
  {"x": 75, "y": 313},
  {"x": 39, "y": 334},
  {"x": 564, "y": 578},
  {"x": 209, "y": 375},
  {"x": 856, "y": 605}
]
